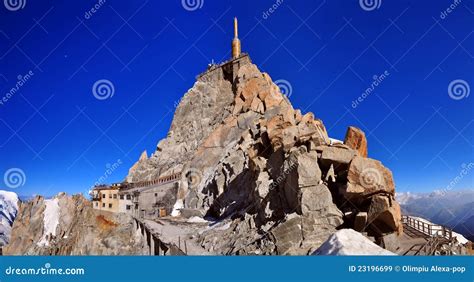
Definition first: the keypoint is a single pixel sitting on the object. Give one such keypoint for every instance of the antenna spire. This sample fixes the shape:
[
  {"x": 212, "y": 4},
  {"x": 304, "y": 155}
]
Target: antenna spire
[{"x": 236, "y": 48}]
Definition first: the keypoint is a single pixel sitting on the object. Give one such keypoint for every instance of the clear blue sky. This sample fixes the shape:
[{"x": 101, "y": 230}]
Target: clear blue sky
[{"x": 63, "y": 138}]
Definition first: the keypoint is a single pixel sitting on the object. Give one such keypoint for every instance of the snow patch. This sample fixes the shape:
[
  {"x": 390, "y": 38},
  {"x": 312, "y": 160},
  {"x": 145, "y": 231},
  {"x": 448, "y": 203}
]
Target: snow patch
[
  {"x": 178, "y": 206},
  {"x": 333, "y": 141},
  {"x": 347, "y": 242},
  {"x": 50, "y": 220},
  {"x": 197, "y": 219},
  {"x": 8, "y": 211}
]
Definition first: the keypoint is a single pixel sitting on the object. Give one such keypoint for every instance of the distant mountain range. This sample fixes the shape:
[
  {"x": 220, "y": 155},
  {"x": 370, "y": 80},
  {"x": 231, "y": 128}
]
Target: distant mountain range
[
  {"x": 454, "y": 209},
  {"x": 8, "y": 212}
]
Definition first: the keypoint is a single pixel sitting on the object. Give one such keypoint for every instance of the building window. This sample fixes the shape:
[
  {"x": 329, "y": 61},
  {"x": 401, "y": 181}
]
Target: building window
[
  {"x": 156, "y": 194},
  {"x": 103, "y": 196},
  {"x": 115, "y": 196},
  {"x": 103, "y": 205},
  {"x": 128, "y": 207},
  {"x": 110, "y": 206},
  {"x": 96, "y": 204},
  {"x": 110, "y": 196},
  {"x": 121, "y": 197},
  {"x": 129, "y": 197}
]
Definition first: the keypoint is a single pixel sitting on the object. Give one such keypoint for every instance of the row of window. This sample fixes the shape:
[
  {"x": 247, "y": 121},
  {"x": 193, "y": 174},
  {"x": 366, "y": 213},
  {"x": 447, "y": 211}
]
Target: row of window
[
  {"x": 127, "y": 207},
  {"x": 114, "y": 196},
  {"x": 103, "y": 205}
]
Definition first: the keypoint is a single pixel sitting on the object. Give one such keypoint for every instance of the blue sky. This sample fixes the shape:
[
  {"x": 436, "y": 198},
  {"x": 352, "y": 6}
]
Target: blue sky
[{"x": 63, "y": 138}]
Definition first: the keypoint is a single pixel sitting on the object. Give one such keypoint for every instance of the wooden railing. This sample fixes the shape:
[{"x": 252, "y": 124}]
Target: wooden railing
[
  {"x": 432, "y": 230},
  {"x": 162, "y": 180}
]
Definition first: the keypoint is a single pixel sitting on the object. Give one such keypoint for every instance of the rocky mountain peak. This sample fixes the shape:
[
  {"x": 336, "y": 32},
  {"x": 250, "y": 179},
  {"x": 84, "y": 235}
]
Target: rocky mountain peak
[
  {"x": 270, "y": 168},
  {"x": 267, "y": 175}
]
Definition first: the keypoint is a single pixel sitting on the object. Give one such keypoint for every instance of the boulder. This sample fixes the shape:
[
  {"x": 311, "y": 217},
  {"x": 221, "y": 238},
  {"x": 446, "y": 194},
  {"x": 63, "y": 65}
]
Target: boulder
[
  {"x": 355, "y": 139},
  {"x": 315, "y": 198},
  {"x": 308, "y": 170},
  {"x": 384, "y": 215},
  {"x": 368, "y": 176},
  {"x": 288, "y": 236},
  {"x": 336, "y": 155},
  {"x": 311, "y": 129}
]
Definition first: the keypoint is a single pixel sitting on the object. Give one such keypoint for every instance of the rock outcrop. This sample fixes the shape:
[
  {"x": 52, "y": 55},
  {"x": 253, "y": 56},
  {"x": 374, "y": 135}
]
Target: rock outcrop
[
  {"x": 271, "y": 171},
  {"x": 355, "y": 139},
  {"x": 72, "y": 227},
  {"x": 268, "y": 177}
]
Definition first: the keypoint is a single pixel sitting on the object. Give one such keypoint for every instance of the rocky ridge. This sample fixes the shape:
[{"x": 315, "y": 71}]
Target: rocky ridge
[
  {"x": 269, "y": 170},
  {"x": 73, "y": 228}
]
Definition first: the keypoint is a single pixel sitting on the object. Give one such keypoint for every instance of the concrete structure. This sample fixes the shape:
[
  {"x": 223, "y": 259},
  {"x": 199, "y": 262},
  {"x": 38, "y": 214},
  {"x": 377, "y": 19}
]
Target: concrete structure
[
  {"x": 105, "y": 198},
  {"x": 147, "y": 199},
  {"x": 154, "y": 200},
  {"x": 125, "y": 203}
]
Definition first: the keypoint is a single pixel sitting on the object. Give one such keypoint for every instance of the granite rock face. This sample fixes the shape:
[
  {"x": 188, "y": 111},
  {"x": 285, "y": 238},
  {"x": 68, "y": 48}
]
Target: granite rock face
[
  {"x": 268, "y": 170},
  {"x": 355, "y": 139},
  {"x": 73, "y": 228}
]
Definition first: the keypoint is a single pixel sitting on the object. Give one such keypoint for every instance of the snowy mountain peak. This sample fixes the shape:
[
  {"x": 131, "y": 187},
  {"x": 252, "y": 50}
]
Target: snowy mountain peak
[{"x": 8, "y": 211}]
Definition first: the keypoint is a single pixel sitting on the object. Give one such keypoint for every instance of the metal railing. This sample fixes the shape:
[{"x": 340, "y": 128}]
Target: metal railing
[{"x": 432, "y": 230}]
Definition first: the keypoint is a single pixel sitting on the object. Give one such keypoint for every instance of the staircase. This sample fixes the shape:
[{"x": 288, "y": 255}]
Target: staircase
[{"x": 434, "y": 237}]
